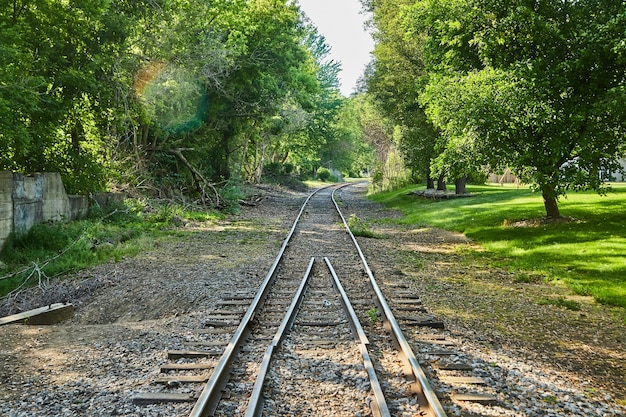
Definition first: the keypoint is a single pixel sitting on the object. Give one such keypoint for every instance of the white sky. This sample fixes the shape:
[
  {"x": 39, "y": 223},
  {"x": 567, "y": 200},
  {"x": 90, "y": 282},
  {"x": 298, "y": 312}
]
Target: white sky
[{"x": 342, "y": 24}]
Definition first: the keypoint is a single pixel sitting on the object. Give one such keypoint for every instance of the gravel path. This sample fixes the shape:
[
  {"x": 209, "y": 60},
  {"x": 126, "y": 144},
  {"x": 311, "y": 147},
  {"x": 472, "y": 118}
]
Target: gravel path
[{"x": 540, "y": 360}]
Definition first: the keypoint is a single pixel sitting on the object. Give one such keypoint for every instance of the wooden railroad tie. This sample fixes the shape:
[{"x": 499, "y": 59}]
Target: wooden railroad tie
[{"x": 50, "y": 314}]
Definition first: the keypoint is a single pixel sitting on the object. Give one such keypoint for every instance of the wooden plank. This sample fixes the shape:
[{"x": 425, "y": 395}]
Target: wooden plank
[
  {"x": 169, "y": 367},
  {"x": 209, "y": 343},
  {"x": 162, "y": 397},
  {"x": 220, "y": 323},
  {"x": 177, "y": 354},
  {"x": 183, "y": 379},
  {"x": 462, "y": 380},
  {"x": 51, "y": 314},
  {"x": 418, "y": 309},
  {"x": 454, "y": 367},
  {"x": 224, "y": 316},
  {"x": 407, "y": 301},
  {"x": 415, "y": 298},
  {"x": 320, "y": 323},
  {"x": 423, "y": 321},
  {"x": 319, "y": 342},
  {"x": 431, "y": 336},
  {"x": 437, "y": 342},
  {"x": 239, "y": 297},
  {"x": 485, "y": 399},
  {"x": 363, "y": 302},
  {"x": 234, "y": 302}
]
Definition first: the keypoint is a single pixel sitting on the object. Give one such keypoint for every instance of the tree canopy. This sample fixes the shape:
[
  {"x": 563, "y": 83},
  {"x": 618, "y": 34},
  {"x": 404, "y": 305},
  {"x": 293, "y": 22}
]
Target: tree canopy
[
  {"x": 533, "y": 86},
  {"x": 172, "y": 94}
]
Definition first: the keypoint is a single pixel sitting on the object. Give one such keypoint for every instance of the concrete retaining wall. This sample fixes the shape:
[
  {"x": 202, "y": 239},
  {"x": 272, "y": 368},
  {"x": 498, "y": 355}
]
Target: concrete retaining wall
[{"x": 28, "y": 200}]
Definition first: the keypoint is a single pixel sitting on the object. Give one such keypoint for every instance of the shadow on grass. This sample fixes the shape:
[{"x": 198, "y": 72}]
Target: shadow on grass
[{"x": 588, "y": 251}]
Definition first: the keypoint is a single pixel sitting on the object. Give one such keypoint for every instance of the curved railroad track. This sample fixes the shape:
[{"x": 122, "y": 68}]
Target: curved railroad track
[{"x": 319, "y": 310}]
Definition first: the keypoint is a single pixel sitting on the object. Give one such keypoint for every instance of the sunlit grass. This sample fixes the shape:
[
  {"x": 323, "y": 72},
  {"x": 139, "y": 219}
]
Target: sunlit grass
[
  {"x": 54, "y": 249},
  {"x": 587, "y": 252}
]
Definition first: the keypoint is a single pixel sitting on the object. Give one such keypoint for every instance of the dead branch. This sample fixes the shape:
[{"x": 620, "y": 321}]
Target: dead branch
[{"x": 200, "y": 182}]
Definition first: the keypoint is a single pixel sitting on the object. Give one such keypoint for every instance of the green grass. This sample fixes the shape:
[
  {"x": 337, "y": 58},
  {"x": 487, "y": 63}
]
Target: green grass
[
  {"x": 53, "y": 249},
  {"x": 360, "y": 228},
  {"x": 588, "y": 252}
]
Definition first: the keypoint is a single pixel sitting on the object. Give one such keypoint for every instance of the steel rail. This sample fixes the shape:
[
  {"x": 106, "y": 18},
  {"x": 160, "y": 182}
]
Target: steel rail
[
  {"x": 255, "y": 405},
  {"x": 209, "y": 397},
  {"x": 379, "y": 405},
  {"x": 418, "y": 372}
]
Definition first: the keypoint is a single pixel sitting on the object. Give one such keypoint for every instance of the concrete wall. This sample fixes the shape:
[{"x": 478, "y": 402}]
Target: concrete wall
[
  {"x": 28, "y": 200},
  {"x": 6, "y": 205}
]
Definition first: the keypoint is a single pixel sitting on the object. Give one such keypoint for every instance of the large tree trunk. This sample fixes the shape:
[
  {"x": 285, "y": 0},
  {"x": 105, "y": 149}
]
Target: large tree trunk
[
  {"x": 459, "y": 185},
  {"x": 430, "y": 183},
  {"x": 441, "y": 183},
  {"x": 550, "y": 201}
]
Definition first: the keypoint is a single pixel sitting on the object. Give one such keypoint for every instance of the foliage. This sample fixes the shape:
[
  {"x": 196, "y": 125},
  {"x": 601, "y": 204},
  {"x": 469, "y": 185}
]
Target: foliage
[
  {"x": 173, "y": 97},
  {"x": 583, "y": 252},
  {"x": 562, "y": 302},
  {"x": 387, "y": 169},
  {"x": 49, "y": 250},
  {"x": 392, "y": 87},
  {"x": 57, "y": 87},
  {"x": 323, "y": 174},
  {"x": 529, "y": 86},
  {"x": 373, "y": 314},
  {"x": 360, "y": 227},
  {"x": 282, "y": 174}
]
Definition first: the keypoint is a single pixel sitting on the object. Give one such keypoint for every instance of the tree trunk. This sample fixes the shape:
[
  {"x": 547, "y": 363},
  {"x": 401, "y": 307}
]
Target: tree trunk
[
  {"x": 550, "y": 201},
  {"x": 459, "y": 185},
  {"x": 77, "y": 134},
  {"x": 441, "y": 183},
  {"x": 430, "y": 183}
]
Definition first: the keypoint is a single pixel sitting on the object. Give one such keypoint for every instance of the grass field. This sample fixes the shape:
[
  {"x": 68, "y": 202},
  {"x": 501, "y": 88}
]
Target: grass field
[{"x": 587, "y": 252}]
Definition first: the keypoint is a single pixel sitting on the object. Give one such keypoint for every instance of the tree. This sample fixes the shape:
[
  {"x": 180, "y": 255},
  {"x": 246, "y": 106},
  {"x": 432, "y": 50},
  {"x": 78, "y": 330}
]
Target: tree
[
  {"x": 58, "y": 85},
  {"x": 534, "y": 86},
  {"x": 393, "y": 81}
]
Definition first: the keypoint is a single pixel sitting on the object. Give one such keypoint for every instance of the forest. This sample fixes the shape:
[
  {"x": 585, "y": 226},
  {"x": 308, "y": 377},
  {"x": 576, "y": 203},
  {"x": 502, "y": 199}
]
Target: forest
[
  {"x": 174, "y": 98},
  {"x": 183, "y": 99}
]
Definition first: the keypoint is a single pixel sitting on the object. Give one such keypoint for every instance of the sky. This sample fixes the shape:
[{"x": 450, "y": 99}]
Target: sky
[{"x": 342, "y": 24}]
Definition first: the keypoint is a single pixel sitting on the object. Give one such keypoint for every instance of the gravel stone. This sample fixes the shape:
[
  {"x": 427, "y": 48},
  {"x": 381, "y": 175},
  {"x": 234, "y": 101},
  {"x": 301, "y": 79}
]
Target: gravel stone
[{"x": 538, "y": 360}]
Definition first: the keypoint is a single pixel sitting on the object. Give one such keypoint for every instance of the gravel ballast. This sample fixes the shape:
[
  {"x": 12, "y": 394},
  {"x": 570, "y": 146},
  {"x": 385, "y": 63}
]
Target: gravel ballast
[{"x": 538, "y": 359}]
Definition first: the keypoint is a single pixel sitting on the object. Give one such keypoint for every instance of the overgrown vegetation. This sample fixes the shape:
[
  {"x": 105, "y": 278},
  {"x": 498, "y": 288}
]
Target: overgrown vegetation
[
  {"x": 584, "y": 249},
  {"x": 360, "y": 227},
  {"x": 176, "y": 98},
  {"x": 49, "y": 250}
]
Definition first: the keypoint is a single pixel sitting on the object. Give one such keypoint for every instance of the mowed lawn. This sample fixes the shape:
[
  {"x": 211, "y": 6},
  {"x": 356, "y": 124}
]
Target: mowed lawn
[{"x": 587, "y": 252}]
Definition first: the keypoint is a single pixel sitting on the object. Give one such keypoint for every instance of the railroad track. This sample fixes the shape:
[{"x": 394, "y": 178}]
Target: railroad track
[{"x": 318, "y": 310}]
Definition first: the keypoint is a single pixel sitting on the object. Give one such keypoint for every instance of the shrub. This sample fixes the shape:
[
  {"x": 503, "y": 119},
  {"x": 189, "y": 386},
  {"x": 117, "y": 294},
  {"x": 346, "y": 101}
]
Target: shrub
[
  {"x": 323, "y": 174},
  {"x": 359, "y": 227}
]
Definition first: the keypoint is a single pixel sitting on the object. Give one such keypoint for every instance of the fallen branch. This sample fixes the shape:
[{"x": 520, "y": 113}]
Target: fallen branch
[{"x": 201, "y": 183}]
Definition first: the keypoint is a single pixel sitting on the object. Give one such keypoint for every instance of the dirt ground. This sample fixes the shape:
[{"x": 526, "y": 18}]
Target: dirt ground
[{"x": 126, "y": 310}]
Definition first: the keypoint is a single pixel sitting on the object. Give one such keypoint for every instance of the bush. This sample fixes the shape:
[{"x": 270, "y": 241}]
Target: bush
[
  {"x": 359, "y": 227},
  {"x": 272, "y": 171},
  {"x": 323, "y": 174}
]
